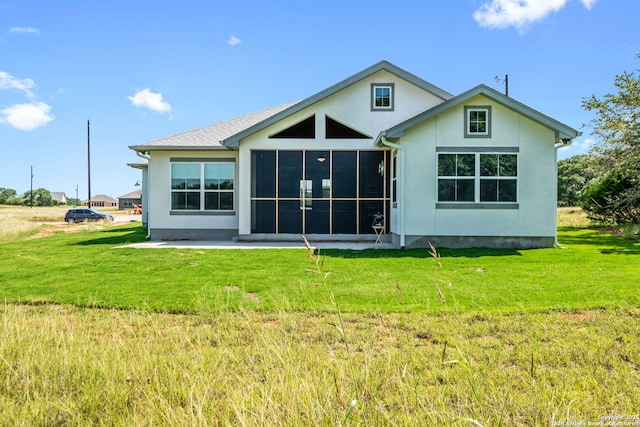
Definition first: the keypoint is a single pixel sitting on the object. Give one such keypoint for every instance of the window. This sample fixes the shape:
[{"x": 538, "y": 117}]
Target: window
[
  {"x": 498, "y": 177},
  {"x": 206, "y": 186},
  {"x": 477, "y": 177},
  {"x": 477, "y": 122},
  {"x": 456, "y": 180},
  {"x": 305, "y": 129},
  {"x": 382, "y": 97}
]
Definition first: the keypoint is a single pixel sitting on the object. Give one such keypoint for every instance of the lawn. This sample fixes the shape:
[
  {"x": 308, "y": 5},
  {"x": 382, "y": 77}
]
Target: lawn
[
  {"x": 92, "y": 333},
  {"x": 90, "y": 268}
]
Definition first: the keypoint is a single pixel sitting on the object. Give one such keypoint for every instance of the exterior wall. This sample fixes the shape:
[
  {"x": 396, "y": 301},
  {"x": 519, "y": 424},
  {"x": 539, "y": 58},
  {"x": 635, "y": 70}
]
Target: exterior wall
[
  {"x": 351, "y": 106},
  {"x": 188, "y": 225},
  {"x": 530, "y": 223},
  {"x": 128, "y": 203}
]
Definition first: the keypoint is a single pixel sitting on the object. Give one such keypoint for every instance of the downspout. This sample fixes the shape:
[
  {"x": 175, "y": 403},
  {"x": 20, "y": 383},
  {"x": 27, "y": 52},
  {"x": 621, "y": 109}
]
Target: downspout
[
  {"x": 400, "y": 190},
  {"x": 565, "y": 142},
  {"x": 142, "y": 156}
]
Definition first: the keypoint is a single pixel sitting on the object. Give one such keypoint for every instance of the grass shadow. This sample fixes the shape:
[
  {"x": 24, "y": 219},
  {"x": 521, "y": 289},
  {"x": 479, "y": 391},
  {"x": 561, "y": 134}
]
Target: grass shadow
[
  {"x": 116, "y": 236},
  {"x": 420, "y": 253}
]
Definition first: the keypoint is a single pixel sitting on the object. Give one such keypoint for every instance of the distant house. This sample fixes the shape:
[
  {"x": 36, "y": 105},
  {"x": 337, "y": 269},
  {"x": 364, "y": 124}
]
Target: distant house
[
  {"x": 128, "y": 200},
  {"x": 101, "y": 201},
  {"x": 59, "y": 197},
  {"x": 476, "y": 169}
]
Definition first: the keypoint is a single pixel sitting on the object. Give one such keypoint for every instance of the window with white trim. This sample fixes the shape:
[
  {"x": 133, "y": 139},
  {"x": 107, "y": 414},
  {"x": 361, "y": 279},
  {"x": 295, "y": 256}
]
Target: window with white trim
[
  {"x": 382, "y": 97},
  {"x": 477, "y": 177},
  {"x": 477, "y": 122},
  {"x": 206, "y": 186}
]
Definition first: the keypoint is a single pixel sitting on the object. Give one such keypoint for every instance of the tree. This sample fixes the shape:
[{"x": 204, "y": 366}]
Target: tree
[
  {"x": 574, "y": 174},
  {"x": 617, "y": 124},
  {"x": 6, "y": 194},
  {"x": 41, "y": 197}
]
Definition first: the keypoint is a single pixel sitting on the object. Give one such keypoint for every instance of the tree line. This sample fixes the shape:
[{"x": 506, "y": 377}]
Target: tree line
[
  {"x": 41, "y": 197},
  {"x": 606, "y": 182}
]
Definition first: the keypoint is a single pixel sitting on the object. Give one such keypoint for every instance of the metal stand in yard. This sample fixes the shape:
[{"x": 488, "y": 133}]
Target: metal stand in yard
[{"x": 378, "y": 227}]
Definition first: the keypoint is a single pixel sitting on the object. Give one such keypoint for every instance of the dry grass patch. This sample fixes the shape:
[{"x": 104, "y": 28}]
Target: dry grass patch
[{"x": 63, "y": 365}]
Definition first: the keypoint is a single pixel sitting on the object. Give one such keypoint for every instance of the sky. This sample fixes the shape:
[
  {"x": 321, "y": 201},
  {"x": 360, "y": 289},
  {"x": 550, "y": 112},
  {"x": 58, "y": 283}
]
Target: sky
[{"x": 140, "y": 70}]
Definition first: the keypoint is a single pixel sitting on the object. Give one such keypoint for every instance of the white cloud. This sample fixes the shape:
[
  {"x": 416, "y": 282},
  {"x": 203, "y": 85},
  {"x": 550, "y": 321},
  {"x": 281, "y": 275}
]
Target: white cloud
[
  {"x": 519, "y": 13},
  {"x": 579, "y": 146},
  {"x": 233, "y": 41},
  {"x": 26, "y": 116},
  {"x": 153, "y": 101},
  {"x": 7, "y": 81},
  {"x": 25, "y": 30}
]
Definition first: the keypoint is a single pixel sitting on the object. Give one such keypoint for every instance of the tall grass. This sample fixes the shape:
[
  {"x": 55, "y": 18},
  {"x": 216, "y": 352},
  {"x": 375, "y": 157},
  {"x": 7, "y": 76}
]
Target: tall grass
[
  {"x": 62, "y": 365},
  {"x": 20, "y": 221}
]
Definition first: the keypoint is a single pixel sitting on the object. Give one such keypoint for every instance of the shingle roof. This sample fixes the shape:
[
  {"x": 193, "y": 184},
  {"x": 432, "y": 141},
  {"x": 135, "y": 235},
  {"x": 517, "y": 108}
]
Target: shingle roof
[
  {"x": 101, "y": 198},
  {"x": 137, "y": 194},
  {"x": 210, "y": 137}
]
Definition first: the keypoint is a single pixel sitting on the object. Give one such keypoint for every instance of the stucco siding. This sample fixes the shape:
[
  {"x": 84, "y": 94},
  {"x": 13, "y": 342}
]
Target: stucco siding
[
  {"x": 534, "y": 214},
  {"x": 160, "y": 214}
]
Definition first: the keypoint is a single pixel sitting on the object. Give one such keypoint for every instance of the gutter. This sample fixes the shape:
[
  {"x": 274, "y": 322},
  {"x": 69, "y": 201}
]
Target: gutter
[
  {"x": 564, "y": 142},
  {"x": 400, "y": 189},
  {"x": 145, "y": 184}
]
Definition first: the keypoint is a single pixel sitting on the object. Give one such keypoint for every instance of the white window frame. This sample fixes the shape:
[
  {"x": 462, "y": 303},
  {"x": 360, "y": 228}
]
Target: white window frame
[
  {"x": 468, "y": 110},
  {"x": 203, "y": 191},
  {"x": 374, "y": 96}
]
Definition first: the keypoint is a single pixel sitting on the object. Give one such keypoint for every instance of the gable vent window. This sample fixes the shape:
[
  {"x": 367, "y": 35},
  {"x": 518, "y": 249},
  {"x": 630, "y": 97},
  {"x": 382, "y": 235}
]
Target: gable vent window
[
  {"x": 305, "y": 129},
  {"x": 337, "y": 130},
  {"x": 382, "y": 97},
  {"x": 477, "y": 123}
]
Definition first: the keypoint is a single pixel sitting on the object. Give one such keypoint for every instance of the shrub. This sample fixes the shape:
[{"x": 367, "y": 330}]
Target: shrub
[{"x": 614, "y": 198}]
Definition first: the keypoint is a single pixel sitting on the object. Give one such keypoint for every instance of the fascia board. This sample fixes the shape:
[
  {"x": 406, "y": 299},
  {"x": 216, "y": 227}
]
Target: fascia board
[{"x": 562, "y": 130}]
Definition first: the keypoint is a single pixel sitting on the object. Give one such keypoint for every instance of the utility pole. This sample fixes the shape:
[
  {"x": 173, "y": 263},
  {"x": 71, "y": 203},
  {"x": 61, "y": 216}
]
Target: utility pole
[
  {"x": 31, "y": 192},
  {"x": 88, "y": 165}
]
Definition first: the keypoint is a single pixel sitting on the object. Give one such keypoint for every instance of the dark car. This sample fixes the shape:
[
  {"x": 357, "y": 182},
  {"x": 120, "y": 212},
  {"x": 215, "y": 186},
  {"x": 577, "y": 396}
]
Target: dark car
[{"x": 82, "y": 215}]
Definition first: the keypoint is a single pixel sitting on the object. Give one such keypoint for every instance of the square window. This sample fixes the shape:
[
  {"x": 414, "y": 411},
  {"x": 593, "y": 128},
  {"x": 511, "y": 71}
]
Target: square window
[
  {"x": 477, "y": 122},
  {"x": 197, "y": 186},
  {"x": 382, "y": 97}
]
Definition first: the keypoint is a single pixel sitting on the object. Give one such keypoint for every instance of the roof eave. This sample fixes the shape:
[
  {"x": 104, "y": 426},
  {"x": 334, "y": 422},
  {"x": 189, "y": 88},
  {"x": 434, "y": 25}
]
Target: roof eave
[
  {"x": 147, "y": 148},
  {"x": 562, "y": 131}
]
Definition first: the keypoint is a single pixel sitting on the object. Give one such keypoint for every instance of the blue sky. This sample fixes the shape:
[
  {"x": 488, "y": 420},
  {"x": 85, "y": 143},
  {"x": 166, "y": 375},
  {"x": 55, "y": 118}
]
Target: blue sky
[{"x": 141, "y": 70}]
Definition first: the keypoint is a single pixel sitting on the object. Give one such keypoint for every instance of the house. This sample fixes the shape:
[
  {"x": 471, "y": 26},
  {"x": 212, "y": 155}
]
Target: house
[
  {"x": 101, "y": 201},
  {"x": 476, "y": 169},
  {"x": 130, "y": 200},
  {"x": 59, "y": 197}
]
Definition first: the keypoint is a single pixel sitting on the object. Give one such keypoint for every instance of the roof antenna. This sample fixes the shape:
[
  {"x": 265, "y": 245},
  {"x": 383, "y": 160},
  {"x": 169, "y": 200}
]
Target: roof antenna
[{"x": 506, "y": 83}]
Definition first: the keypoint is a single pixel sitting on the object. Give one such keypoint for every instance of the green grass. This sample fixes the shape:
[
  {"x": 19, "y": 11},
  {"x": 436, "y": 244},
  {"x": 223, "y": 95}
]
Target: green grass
[
  {"x": 594, "y": 270},
  {"x": 95, "y": 334}
]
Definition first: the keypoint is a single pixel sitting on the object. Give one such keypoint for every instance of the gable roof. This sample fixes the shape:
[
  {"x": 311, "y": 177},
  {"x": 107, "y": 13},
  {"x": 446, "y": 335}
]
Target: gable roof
[
  {"x": 234, "y": 140},
  {"x": 228, "y": 134},
  {"x": 136, "y": 194},
  {"x": 562, "y": 131},
  {"x": 211, "y": 136},
  {"x": 101, "y": 198},
  {"x": 59, "y": 196}
]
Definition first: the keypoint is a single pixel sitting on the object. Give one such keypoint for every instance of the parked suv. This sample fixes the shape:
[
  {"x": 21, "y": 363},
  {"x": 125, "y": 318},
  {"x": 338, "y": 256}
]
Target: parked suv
[{"x": 81, "y": 215}]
